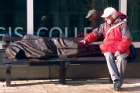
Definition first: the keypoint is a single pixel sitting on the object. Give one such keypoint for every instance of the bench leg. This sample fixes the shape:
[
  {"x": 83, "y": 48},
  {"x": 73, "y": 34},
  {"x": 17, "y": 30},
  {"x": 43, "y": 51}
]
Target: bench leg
[
  {"x": 110, "y": 80},
  {"x": 8, "y": 74},
  {"x": 62, "y": 73}
]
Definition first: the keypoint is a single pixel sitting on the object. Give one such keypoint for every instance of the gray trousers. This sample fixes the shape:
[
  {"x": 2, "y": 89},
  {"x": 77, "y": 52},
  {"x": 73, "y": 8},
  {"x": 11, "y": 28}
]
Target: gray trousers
[{"x": 116, "y": 65}]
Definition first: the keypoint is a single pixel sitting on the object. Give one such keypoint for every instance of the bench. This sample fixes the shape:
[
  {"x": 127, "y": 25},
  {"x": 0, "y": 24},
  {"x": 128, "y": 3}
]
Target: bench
[{"x": 61, "y": 62}]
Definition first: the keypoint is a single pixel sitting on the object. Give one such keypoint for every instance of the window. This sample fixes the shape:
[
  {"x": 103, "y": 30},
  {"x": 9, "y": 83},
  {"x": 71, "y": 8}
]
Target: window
[
  {"x": 13, "y": 17},
  {"x": 65, "y": 17},
  {"x": 134, "y": 19}
]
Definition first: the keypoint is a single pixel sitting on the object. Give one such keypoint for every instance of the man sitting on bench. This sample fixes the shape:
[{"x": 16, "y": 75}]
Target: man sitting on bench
[{"x": 115, "y": 45}]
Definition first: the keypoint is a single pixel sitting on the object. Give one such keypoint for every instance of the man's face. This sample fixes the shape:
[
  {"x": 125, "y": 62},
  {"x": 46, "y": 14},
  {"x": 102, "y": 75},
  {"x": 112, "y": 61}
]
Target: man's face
[
  {"x": 93, "y": 18},
  {"x": 109, "y": 20}
]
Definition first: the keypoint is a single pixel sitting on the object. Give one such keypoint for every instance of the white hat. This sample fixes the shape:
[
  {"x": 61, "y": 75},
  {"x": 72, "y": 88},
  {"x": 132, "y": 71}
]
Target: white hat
[
  {"x": 91, "y": 12},
  {"x": 109, "y": 11}
]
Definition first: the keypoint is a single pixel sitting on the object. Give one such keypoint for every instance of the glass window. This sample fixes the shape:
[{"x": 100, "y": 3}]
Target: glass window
[
  {"x": 134, "y": 19},
  {"x": 13, "y": 17},
  {"x": 65, "y": 17}
]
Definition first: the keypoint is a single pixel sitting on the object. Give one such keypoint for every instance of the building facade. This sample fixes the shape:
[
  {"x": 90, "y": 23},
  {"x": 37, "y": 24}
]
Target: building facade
[{"x": 65, "y": 18}]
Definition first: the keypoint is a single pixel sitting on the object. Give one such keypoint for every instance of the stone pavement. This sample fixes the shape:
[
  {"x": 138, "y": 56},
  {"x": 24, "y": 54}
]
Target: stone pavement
[{"x": 81, "y": 86}]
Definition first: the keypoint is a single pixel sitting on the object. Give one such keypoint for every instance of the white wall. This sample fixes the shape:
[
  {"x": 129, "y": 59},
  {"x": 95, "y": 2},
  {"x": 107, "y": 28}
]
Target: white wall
[
  {"x": 30, "y": 22},
  {"x": 123, "y": 6}
]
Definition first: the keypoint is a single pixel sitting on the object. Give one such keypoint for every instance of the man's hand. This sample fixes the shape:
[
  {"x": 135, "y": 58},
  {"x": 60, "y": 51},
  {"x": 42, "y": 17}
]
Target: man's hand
[
  {"x": 83, "y": 41},
  {"x": 117, "y": 53}
]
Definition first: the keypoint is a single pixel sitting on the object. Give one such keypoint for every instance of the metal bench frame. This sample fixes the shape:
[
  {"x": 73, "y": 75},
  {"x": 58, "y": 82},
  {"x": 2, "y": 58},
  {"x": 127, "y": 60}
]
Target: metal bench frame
[{"x": 61, "y": 62}]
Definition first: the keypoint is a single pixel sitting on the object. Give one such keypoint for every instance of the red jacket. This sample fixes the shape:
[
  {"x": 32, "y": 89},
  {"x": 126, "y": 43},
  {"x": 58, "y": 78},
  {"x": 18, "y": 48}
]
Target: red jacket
[{"x": 118, "y": 39}]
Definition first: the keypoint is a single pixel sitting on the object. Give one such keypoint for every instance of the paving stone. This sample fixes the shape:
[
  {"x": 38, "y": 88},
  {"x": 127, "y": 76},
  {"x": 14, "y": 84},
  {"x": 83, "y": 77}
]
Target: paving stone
[{"x": 85, "y": 86}]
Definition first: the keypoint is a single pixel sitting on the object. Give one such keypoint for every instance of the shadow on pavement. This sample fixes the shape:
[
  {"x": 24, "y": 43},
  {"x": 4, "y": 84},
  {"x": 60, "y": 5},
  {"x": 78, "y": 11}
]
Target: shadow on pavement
[{"x": 71, "y": 82}]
